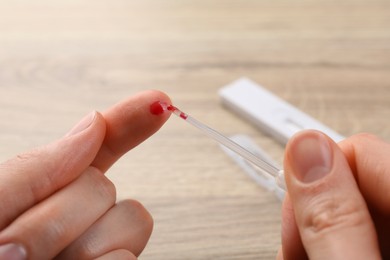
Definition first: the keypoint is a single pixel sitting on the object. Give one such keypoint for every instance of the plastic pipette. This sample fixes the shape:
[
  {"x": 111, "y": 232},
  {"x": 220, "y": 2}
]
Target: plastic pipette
[{"x": 262, "y": 165}]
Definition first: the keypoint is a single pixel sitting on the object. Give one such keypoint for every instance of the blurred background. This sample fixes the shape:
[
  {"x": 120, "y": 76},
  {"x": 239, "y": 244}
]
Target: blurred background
[{"x": 60, "y": 60}]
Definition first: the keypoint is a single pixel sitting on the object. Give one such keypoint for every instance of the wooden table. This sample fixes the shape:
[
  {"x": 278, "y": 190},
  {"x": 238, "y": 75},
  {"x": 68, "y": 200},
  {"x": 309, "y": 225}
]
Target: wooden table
[{"x": 62, "y": 59}]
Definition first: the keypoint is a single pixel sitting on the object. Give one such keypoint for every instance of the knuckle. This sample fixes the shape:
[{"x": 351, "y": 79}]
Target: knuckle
[
  {"x": 102, "y": 185},
  {"x": 136, "y": 211},
  {"x": 135, "y": 215},
  {"x": 331, "y": 215}
]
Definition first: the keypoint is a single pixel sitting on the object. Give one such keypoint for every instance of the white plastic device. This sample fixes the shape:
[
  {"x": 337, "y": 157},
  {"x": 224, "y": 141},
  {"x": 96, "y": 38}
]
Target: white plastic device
[{"x": 269, "y": 112}]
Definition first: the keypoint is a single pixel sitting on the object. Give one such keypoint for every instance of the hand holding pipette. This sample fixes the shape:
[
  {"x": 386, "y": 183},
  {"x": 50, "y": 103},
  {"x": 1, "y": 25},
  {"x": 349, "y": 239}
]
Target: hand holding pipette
[{"x": 326, "y": 213}]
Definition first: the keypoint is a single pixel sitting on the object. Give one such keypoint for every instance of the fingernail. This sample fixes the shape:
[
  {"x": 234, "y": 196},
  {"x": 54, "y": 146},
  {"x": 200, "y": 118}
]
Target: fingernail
[
  {"x": 12, "y": 252},
  {"x": 83, "y": 124},
  {"x": 311, "y": 157}
]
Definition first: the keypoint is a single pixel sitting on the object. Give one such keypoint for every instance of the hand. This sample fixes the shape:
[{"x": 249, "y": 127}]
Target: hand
[
  {"x": 338, "y": 203},
  {"x": 55, "y": 201}
]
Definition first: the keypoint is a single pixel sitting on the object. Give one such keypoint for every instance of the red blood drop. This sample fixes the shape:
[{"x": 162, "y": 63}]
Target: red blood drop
[
  {"x": 171, "y": 108},
  {"x": 183, "y": 115},
  {"x": 156, "y": 108}
]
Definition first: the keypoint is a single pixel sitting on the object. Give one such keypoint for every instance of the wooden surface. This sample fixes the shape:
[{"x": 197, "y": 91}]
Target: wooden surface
[{"x": 61, "y": 59}]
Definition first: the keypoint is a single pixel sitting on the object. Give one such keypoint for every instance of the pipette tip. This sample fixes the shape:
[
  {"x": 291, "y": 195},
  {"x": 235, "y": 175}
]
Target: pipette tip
[{"x": 160, "y": 107}]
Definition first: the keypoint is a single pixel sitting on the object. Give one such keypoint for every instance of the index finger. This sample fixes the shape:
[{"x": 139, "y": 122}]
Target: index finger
[
  {"x": 368, "y": 157},
  {"x": 128, "y": 124}
]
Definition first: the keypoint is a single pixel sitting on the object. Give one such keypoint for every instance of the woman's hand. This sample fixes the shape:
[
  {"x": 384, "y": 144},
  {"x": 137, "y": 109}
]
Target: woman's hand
[
  {"x": 338, "y": 203},
  {"x": 55, "y": 201}
]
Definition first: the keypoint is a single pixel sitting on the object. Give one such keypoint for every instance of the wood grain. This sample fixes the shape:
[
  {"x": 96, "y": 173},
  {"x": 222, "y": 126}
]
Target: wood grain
[{"x": 61, "y": 59}]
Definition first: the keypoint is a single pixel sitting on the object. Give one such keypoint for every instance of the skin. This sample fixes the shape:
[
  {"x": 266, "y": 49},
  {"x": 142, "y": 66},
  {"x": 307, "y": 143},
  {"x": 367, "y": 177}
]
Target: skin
[
  {"x": 336, "y": 208},
  {"x": 344, "y": 212},
  {"x": 44, "y": 192}
]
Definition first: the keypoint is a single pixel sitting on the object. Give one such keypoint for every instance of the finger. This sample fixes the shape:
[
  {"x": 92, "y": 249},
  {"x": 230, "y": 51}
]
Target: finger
[
  {"x": 127, "y": 225},
  {"x": 292, "y": 247},
  {"x": 332, "y": 217},
  {"x": 118, "y": 254},
  {"x": 29, "y": 178},
  {"x": 50, "y": 226},
  {"x": 128, "y": 124},
  {"x": 279, "y": 255},
  {"x": 369, "y": 156}
]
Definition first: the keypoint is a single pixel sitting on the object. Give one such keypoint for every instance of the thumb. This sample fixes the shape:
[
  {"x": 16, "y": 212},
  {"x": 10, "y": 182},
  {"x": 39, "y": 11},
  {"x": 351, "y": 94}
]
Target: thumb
[
  {"x": 331, "y": 214},
  {"x": 31, "y": 177}
]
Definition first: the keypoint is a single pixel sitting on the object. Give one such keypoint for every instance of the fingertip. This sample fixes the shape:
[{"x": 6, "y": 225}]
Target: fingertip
[
  {"x": 359, "y": 148},
  {"x": 91, "y": 138},
  {"x": 98, "y": 127},
  {"x": 129, "y": 123},
  {"x": 138, "y": 106},
  {"x": 309, "y": 156},
  {"x": 159, "y": 95},
  {"x": 158, "y": 103},
  {"x": 92, "y": 123}
]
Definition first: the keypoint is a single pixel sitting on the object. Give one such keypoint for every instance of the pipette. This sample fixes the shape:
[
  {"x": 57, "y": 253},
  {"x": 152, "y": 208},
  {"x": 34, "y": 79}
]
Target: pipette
[{"x": 265, "y": 167}]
